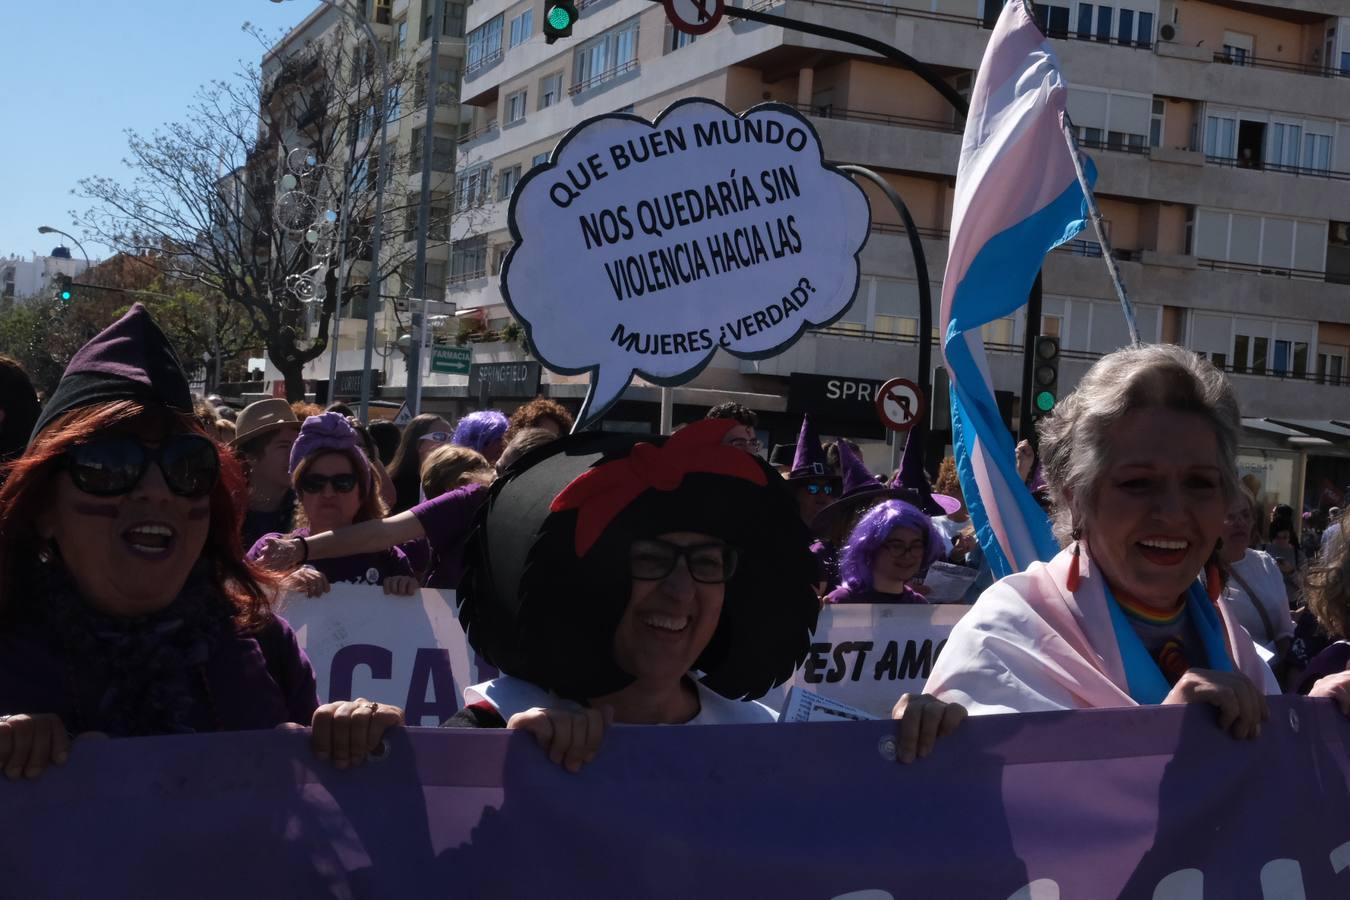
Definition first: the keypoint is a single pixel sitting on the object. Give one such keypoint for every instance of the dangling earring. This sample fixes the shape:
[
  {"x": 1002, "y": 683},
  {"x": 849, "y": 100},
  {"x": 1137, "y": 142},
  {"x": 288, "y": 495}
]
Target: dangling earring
[
  {"x": 1213, "y": 577},
  {"x": 1075, "y": 577}
]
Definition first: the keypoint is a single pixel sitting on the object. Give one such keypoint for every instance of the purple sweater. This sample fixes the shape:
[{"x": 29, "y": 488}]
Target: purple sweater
[
  {"x": 362, "y": 568},
  {"x": 253, "y": 681},
  {"x": 846, "y": 594},
  {"x": 448, "y": 521}
]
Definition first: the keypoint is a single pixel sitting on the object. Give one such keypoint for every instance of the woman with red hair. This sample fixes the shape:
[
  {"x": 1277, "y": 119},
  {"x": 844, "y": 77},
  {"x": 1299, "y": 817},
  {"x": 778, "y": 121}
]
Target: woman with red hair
[{"x": 125, "y": 606}]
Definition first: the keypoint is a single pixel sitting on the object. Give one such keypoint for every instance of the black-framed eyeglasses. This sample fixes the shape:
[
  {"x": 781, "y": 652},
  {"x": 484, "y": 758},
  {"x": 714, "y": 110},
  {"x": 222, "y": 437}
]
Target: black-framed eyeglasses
[
  {"x": 314, "y": 484},
  {"x": 817, "y": 487},
  {"x": 652, "y": 559},
  {"x": 113, "y": 466},
  {"x": 901, "y": 548}
]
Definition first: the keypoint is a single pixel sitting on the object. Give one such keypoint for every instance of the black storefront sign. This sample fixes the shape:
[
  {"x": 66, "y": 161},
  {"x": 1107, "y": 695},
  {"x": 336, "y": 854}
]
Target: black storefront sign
[
  {"x": 349, "y": 385},
  {"x": 839, "y": 404},
  {"x": 507, "y": 380}
]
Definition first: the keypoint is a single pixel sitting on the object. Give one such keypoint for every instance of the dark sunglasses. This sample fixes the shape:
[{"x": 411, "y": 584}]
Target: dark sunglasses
[
  {"x": 314, "y": 484},
  {"x": 816, "y": 487},
  {"x": 652, "y": 560},
  {"x": 114, "y": 466}
]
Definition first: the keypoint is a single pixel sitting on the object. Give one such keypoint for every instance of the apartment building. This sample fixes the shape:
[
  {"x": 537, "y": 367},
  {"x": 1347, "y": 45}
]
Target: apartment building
[
  {"x": 404, "y": 29},
  {"x": 1221, "y": 132},
  {"x": 22, "y": 278}
]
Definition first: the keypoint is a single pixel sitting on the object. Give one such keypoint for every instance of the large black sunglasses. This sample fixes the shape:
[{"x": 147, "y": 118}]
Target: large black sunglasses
[
  {"x": 314, "y": 484},
  {"x": 110, "y": 467}
]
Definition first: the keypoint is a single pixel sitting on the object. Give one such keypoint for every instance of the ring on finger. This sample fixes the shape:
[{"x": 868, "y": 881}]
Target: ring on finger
[{"x": 373, "y": 707}]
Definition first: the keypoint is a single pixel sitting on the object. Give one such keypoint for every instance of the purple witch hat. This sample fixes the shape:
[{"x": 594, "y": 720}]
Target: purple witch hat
[
  {"x": 131, "y": 359},
  {"x": 912, "y": 484},
  {"x": 861, "y": 491},
  {"x": 808, "y": 464}
]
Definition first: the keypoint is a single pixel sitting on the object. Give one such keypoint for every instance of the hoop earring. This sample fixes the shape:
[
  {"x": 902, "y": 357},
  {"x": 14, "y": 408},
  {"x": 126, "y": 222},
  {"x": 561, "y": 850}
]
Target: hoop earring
[{"x": 1075, "y": 565}]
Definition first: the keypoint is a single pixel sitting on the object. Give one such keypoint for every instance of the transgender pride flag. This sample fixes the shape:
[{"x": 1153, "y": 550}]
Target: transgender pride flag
[{"x": 1017, "y": 198}]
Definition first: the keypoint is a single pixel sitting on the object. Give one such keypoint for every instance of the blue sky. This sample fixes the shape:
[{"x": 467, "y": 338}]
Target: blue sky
[{"x": 77, "y": 73}]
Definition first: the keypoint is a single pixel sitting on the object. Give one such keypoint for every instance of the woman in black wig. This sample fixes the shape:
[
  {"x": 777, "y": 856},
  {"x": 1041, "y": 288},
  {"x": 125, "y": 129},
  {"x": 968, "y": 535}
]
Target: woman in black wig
[{"x": 639, "y": 583}]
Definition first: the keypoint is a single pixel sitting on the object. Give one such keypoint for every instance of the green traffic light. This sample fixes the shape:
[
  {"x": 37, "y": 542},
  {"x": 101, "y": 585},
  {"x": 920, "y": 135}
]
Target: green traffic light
[
  {"x": 559, "y": 18},
  {"x": 65, "y": 296},
  {"x": 1045, "y": 401}
]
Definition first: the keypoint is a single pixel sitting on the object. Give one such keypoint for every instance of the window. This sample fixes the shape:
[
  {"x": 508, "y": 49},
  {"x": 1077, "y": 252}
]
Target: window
[
  {"x": 538, "y": 160},
  {"x": 1051, "y": 326},
  {"x": 1221, "y": 137},
  {"x": 401, "y": 40},
  {"x": 472, "y": 188},
  {"x": 1317, "y": 152},
  {"x": 1125, "y": 27},
  {"x": 999, "y": 331},
  {"x": 1084, "y": 20},
  {"x": 1284, "y": 144},
  {"x": 485, "y": 44},
  {"x": 605, "y": 57},
  {"x": 905, "y": 326},
  {"x": 679, "y": 39},
  {"x": 447, "y": 82},
  {"x": 1240, "y": 350},
  {"x": 1345, "y": 63},
  {"x": 506, "y": 182},
  {"x": 1145, "y": 31},
  {"x": 438, "y": 218},
  {"x": 468, "y": 258},
  {"x": 515, "y": 107},
  {"x": 1104, "y": 23},
  {"x": 550, "y": 90},
  {"x": 1331, "y": 365},
  {"x": 1155, "y": 125},
  {"x": 442, "y": 153},
  {"x": 381, "y": 10},
  {"x": 452, "y": 19},
  {"x": 1237, "y": 48},
  {"x": 1053, "y": 20},
  {"x": 522, "y": 26},
  {"x": 392, "y": 104}
]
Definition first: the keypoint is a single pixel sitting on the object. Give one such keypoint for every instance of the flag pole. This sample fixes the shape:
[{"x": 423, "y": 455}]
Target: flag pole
[{"x": 1096, "y": 215}]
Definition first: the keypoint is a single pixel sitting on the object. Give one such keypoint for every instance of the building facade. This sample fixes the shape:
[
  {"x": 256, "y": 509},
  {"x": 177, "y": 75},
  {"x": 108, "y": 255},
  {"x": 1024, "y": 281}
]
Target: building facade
[
  {"x": 23, "y": 278},
  {"x": 1221, "y": 132}
]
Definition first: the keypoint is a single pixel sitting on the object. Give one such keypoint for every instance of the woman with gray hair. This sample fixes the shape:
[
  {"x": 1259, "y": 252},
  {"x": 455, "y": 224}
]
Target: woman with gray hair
[{"x": 1141, "y": 464}]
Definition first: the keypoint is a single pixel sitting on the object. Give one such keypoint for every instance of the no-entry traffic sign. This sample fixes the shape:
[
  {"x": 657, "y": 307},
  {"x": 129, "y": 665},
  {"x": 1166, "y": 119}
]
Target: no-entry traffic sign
[
  {"x": 900, "y": 404},
  {"x": 694, "y": 16}
]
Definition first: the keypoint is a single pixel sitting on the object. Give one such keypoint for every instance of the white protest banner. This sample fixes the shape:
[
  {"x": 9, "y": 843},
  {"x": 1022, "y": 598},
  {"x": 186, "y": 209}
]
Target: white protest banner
[
  {"x": 867, "y": 655},
  {"x": 645, "y": 246},
  {"x": 408, "y": 651}
]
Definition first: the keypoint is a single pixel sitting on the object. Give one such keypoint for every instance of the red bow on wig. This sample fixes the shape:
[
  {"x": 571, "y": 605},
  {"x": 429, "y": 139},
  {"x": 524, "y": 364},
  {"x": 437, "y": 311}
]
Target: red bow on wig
[{"x": 605, "y": 491}]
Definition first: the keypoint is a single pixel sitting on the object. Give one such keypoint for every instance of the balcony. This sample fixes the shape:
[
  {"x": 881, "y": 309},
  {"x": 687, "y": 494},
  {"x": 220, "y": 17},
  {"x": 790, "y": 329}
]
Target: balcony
[
  {"x": 1235, "y": 163},
  {"x": 611, "y": 74},
  {"x": 1280, "y": 65}
]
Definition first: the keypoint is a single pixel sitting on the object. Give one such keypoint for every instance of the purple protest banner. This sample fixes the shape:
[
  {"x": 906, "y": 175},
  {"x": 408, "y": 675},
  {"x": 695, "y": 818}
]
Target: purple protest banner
[{"x": 1145, "y": 803}]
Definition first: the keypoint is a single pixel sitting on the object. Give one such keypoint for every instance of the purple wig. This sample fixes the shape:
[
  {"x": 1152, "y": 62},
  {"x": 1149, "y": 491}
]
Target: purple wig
[
  {"x": 478, "y": 430},
  {"x": 864, "y": 542}
]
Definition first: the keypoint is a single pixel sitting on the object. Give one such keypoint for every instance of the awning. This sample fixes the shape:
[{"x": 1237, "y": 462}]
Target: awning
[{"x": 1300, "y": 434}]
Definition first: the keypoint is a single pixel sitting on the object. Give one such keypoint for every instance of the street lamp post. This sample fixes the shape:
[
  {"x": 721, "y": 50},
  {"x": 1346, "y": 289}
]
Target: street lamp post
[
  {"x": 47, "y": 229},
  {"x": 376, "y": 233}
]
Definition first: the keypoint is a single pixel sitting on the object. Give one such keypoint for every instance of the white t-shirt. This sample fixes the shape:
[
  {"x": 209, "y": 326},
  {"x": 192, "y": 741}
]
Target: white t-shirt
[
  {"x": 1262, "y": 574},
  {"x": 949, "y": 529},
  {"x": 514, "y": 695}
]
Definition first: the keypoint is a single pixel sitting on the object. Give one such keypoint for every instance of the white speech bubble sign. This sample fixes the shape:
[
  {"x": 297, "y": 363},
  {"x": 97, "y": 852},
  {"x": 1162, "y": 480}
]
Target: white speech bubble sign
[{"x": 642, "y": 247}]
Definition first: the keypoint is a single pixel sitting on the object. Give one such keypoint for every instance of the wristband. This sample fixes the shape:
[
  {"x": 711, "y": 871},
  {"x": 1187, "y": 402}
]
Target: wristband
[{"x": 304, "y": 545}]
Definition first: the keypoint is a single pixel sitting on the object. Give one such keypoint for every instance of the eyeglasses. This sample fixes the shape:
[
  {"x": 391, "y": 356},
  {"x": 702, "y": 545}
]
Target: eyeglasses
[
  {"x": 652, "y": 560},
  {"x": 439, "y": 437},
  {"x": 113, "y": 466},
  {"x": 816, "y": 487},
  {"x": 749, "y": 446},
  {"x": 900, "y": 548},
  {"x": 314, "y": 484}
]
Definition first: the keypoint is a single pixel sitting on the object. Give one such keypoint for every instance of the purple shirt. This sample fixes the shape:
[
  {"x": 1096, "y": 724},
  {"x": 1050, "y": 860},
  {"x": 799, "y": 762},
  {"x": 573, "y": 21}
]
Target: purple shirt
[
  {"x": 360, "y": 568},
  {"x": 1330, "y": 661},
  {"x": 845, "y": 594},
  {"x": 448, "y": 520},
  {"x": 253, "y": 681}
]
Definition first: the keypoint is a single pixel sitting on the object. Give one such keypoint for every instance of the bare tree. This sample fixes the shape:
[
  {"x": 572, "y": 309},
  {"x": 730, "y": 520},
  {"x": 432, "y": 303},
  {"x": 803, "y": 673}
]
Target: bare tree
[{"x": 243, "y": 194}]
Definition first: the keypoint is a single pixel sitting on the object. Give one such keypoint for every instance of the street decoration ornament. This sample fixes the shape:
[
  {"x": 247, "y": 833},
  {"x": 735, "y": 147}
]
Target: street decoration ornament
[{"x": 644, "y": 247}]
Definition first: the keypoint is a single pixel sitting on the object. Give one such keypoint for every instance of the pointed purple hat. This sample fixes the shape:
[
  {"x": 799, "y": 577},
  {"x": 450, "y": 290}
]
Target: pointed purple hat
[
  {"x": 861, "y": 490},
  {"x": 912, "y": 484},
  {"x": 808, "y": 464},
  {"x": 131, "y": 359}
]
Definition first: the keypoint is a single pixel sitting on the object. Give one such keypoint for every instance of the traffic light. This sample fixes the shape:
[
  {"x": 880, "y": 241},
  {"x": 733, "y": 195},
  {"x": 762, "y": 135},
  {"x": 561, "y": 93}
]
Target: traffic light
[
  {"x": 559, "y": 17},
  {"x": 1045, "y": 377},
  {"x": 64, "y": 291}
]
